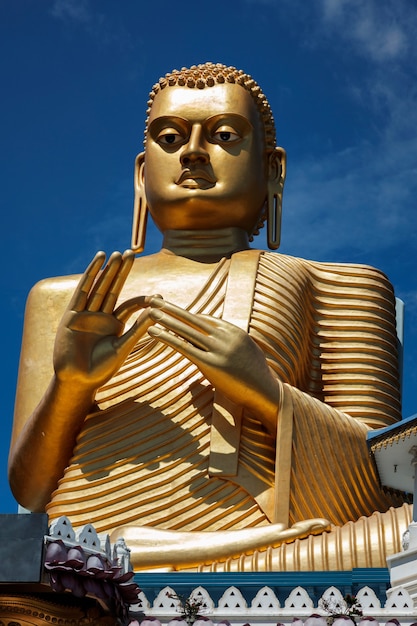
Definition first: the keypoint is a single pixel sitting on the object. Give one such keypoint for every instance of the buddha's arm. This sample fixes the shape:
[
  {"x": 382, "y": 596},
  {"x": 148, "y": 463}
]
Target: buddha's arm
[
  {"x": 41, "y": 438},
  {"x": 88, "y": 349},
  {"x": 42, "y": 449},
  {"x": 151, "y": 547}
]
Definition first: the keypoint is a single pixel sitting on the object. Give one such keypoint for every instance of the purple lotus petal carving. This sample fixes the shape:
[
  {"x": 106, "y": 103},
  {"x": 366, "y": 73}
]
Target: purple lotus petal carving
[{"x": 71, "y": 569}]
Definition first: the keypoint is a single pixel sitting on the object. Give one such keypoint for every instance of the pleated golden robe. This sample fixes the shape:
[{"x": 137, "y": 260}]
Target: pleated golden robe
[{"x": 163, "y": 449}]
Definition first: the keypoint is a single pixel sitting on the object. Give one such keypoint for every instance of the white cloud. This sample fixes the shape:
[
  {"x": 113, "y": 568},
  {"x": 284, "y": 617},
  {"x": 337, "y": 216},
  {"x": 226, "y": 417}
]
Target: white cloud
[
  {"x": 379, "y": 31},
  {"x": 333, "y": 9},
  {"x": 376, "y": 30},
  {"x": 104, "y": 31},
  {"x": 381, "y": 43},
  {"x": 77, "y": 10},
  {"x": 361, "y": 198},
  {"x": 364, "y": 195}
]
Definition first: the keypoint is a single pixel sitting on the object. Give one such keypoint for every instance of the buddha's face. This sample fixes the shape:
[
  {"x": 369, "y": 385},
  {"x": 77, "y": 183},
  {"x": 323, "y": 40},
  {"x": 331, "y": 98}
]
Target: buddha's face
[{"x": 205, "y": 159}]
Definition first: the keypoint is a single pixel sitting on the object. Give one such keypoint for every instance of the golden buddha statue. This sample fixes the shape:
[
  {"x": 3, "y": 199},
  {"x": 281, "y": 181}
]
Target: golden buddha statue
[{"x": 220, "y": 424}]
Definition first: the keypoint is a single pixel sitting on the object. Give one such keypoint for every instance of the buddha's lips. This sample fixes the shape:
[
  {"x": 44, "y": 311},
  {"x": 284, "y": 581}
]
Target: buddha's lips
[{"x": 195, "y": 175}]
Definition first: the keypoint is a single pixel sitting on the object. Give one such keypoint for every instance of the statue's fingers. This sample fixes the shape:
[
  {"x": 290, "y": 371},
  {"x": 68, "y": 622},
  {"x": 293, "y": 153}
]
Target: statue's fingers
[
  {"x": 125, "y": 342},
  {"x": 185, "y": 328},
  {"x": 110, "y": 299},
  {"x": 314, "y": 525},
  {"x": 99, "y": 291},
  {"x": 80, "y": 296},
  {"x": 203, "y": 323},
  {"x": 192, "y": 350},
  {"x": 125, "y": 310},
  {"x": 305, "y": 528}
]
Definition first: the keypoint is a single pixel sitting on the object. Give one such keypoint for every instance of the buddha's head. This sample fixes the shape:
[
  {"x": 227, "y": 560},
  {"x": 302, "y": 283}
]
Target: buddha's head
[{"x": 210, "y": 160}]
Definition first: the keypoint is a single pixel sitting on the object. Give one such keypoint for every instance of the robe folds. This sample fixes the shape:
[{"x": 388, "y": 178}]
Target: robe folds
[{"x": 164, "y": 449}]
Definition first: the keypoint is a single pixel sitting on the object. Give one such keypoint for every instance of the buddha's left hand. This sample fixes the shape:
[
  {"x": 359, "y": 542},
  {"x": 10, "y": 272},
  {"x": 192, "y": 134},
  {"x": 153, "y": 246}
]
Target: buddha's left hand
[{"x": 225, "y": 354}]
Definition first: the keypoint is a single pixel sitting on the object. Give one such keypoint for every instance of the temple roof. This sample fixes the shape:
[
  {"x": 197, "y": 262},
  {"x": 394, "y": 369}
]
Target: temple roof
[{"x": 392, "y": 450}]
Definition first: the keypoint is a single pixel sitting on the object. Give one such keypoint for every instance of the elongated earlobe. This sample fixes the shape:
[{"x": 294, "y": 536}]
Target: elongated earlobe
[
  {"x": 140, "y": 207},
  {"x": 277, "y": 170}
]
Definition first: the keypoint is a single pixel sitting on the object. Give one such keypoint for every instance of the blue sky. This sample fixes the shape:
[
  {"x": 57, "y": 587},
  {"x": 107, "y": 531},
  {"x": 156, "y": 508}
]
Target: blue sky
[{"x": 340, "y": 76}]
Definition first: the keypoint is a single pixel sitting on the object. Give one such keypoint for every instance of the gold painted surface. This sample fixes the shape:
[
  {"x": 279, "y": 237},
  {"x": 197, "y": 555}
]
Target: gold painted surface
[
  {"x": 156, "y": 415},
  {"x": 279, "y": 364},
  {"x": 364, "y": 543},
  {"x": 27, "y": 610}
]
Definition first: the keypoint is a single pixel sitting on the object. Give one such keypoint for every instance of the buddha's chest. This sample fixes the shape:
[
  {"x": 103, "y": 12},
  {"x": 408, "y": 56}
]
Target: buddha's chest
[{"x": 177, "y": 280}]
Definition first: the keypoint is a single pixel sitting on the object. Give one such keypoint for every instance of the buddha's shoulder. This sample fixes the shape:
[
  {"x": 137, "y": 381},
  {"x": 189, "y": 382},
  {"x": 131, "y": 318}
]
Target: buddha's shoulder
[
  {"x": 332, "y": 271},
  {"x": 56, "y": 284},
  {"x": 55, "y": 288}
]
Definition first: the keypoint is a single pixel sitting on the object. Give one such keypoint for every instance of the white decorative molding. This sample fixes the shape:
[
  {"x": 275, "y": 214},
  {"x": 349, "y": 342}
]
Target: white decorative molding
[
  {"x": 264, "y": 608},
  {"x": 299, "y": 600},
  {"x": 368, "y": 600},
  {"x": 143, "y": 606},
  {"x": 201, "y": 595},
  {"x": 167, "y": 602},
  {"x": 232, "y": 601},
  {"x": 87, "y": 537},
  {"x": 333, "y": 597},
  {"x": 61, "y": 528},
  {"x": 399, "y": 601},
  {"x": 265, "y": 601}
]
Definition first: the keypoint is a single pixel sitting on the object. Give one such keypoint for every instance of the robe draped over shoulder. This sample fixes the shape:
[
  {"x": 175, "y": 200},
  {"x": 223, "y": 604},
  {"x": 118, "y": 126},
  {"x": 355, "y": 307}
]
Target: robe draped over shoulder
[{"x": 149, "y": 455}]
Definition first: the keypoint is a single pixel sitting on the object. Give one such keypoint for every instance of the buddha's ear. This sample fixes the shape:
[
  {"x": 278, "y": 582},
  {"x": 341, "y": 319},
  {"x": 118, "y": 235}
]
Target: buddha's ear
[
  {"x": 277, "y": 166},
  {"x": 277, "y": 161},
  {"x": 140, "y": 207}
]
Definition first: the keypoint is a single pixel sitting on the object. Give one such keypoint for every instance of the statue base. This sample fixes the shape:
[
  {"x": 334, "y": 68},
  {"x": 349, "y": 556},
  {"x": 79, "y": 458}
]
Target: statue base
[{"x": 27, "y": 575}]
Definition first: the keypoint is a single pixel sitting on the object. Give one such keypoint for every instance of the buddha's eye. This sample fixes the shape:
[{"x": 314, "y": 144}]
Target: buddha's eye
[
  {"x": 225, "y": 135},
  {"x": 169, "y": 137}
]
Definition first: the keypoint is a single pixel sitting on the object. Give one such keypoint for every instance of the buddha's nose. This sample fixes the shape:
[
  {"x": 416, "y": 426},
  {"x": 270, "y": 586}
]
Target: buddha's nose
[{"x": 194, "y": 151}]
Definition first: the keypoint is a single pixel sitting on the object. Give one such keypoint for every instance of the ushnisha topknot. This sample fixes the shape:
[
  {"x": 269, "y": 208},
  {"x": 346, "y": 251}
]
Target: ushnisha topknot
[{"x": 210, "y": 74}]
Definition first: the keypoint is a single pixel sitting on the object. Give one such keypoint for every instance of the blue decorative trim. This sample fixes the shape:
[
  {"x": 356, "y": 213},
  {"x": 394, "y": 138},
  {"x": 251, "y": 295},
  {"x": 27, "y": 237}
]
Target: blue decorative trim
[{"x": 282, "y": 583}]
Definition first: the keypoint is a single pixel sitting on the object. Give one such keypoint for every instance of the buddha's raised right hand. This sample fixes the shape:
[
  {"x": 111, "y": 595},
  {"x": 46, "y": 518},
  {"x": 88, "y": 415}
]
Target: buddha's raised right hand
[{"x": 90, "y": 345}]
